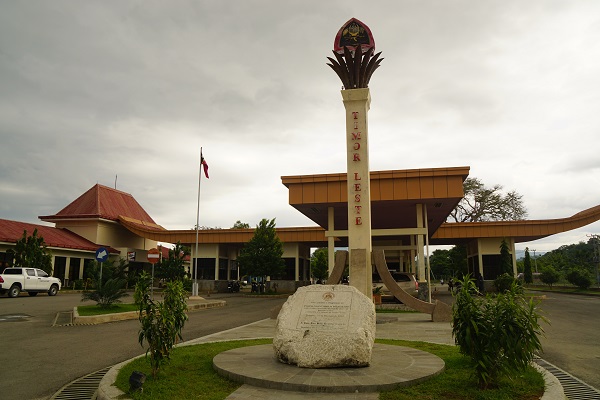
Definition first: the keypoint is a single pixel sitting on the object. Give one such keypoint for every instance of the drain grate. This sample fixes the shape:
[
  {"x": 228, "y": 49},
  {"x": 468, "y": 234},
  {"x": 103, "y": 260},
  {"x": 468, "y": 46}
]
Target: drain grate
[
  {"x": 83, "y": 388},
  {"x": 573, "y": 387},
  {"x": 63, "y": 318}
]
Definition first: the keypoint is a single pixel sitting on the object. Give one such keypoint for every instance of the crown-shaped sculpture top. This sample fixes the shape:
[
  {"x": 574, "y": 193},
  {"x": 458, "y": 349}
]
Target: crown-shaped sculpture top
[
  {"x": 354, "y": 68},
  {"x": 352, "y": 34}
]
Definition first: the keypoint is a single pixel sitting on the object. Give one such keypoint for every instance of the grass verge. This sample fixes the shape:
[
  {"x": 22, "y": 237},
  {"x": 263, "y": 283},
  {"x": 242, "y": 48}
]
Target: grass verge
[
  {"x": 86, "y": 311},
  {"x": 190, "y": 375}
]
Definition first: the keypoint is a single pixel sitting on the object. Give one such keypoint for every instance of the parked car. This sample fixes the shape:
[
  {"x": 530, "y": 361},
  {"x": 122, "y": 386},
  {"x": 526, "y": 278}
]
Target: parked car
[
  {"x": 30, "y": 280},
  {"x": 405, "y": 280}
]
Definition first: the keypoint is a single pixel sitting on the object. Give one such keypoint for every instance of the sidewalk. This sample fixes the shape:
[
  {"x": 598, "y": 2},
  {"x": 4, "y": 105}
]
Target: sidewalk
[{"x": 403, "y": 326}]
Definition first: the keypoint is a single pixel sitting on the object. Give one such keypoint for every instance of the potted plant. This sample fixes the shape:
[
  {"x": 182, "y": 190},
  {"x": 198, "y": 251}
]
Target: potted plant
[{"x": 377, "y": 294}]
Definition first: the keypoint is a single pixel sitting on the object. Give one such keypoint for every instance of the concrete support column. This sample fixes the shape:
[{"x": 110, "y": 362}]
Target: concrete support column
[
  {"x": 330, "y": 240},
  {"x": 514, "y": 256},
  {"x": 297, "y": 264},
  {"x": 67, "y": 270},
  {"x": 420, "y": 245},
  {"x": 357, "y": 103},
  {"x": 81, "y": 264},
  {"x": 217, "y": 263}
]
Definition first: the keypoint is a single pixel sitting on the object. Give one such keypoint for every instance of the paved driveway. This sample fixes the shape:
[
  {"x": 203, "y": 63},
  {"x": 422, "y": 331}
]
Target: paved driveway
[{"x": 37, "y": 359}]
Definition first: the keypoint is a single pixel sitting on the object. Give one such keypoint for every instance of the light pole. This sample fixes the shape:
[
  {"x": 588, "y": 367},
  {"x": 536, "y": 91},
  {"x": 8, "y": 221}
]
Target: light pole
[{"x": 534, "y": 261}]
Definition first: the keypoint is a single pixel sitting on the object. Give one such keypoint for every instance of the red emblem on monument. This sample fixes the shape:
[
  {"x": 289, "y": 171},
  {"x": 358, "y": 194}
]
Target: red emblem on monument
[{"x": 353, "y": 34}]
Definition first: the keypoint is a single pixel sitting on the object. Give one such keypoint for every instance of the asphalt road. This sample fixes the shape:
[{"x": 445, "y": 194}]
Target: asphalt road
[
  {"x": 36, "y": 359},
  {"x": 572, "y": 339}
]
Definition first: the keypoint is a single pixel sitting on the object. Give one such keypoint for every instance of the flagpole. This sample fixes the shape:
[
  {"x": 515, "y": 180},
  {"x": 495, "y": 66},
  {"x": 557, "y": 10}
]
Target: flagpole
[{"x": 195, "y": 261}]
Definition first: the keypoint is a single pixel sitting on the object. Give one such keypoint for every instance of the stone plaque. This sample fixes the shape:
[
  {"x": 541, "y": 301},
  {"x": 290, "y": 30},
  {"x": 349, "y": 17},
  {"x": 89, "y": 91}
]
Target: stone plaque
[{"x": 324, "y": 326}]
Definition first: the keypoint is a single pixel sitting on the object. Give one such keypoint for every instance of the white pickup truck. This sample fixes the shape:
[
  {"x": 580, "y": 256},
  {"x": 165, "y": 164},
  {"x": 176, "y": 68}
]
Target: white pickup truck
[{"x": 30, "y": 280}]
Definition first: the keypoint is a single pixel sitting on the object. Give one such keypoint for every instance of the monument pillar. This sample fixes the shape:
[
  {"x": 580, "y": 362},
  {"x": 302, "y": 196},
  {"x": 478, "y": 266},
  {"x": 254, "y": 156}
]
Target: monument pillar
[
  {"x": 354, "y": 63},
  {"x": 357, "y": 103}
]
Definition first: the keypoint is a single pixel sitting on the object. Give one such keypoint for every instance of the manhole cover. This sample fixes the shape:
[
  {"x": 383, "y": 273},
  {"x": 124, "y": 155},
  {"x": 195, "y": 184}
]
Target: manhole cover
[{"x": 14, "y": 317}]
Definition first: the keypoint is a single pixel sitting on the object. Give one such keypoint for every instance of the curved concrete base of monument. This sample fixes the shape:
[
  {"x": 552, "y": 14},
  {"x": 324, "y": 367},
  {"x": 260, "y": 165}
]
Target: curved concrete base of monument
[{"x": 391, "y": 366}]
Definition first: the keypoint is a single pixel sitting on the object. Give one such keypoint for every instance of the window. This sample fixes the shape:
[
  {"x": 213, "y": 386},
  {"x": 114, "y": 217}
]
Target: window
[{"x": 30, "y": 271}]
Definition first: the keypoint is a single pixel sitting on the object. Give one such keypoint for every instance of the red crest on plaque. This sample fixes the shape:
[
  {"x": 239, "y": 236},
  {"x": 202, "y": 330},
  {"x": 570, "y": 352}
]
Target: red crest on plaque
[{"x": 353, "y": 34}]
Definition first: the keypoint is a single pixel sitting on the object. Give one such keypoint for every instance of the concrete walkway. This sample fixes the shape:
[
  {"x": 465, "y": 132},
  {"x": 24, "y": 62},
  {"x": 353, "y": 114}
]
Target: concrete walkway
[{"x": 404, "y": 326}]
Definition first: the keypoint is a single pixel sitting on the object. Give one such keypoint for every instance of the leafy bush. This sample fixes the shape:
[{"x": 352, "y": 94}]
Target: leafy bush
[
  {"x": 505, "y": 282},
  {"x": 500, "y": 333},
  {"x": 108, "y": 294},
  {"x": 549, "y": 276},
  {"x": 161, "y": 322},
  {"x": 580, "y": 278}
]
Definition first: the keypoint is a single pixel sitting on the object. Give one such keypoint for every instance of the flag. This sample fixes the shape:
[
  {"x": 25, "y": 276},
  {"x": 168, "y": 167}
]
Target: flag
[{"x": 204, "y": 164}]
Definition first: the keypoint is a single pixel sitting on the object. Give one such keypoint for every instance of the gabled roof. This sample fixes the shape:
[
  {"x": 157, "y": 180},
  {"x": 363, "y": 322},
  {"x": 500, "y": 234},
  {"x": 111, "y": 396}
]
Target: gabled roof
[
  {"x": 102, "y": 202},
  {"x": 12, "y": 231}
]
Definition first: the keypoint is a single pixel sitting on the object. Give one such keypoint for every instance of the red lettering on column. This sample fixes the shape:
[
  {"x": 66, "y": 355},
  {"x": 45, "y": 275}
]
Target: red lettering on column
[
  {"x": 355, "y": 113},
  {"x": 356, "y": 157},
  {"x": 357, "y": 208},
  {"x": 357, "y": 187},
  {"x": 356, "y": 177},
  {"x": 357, "y": 198},
  {"x": 358, "y": 220},
  {"x": 356, "y": 146},
  {"x": 355, "y": 135},
  {"x": 355, "y": 125}
]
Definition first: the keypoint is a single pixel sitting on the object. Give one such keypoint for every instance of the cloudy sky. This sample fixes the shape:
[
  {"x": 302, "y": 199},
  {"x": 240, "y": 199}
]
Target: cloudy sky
[{"x": 90, "y": 90}]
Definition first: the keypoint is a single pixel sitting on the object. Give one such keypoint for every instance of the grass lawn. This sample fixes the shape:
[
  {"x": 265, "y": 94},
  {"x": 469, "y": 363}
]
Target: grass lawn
[
  {"x": 86, "y": 311},
  {"x": 190, "y": 375}
]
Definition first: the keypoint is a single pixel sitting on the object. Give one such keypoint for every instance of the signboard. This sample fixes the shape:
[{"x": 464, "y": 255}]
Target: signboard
[
  {"x": 153, "y": 256},
  {"x": 131, "y": 255},
  {"x": 101, "y": 254}
]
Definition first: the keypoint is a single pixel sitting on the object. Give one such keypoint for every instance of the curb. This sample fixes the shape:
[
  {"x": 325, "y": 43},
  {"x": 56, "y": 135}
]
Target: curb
[{"x": 129, "y": 315}]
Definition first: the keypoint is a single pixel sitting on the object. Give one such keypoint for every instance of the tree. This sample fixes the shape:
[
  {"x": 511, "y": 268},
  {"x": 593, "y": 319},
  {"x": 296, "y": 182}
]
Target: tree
[
  {"x": 506, "y": 266},
  {"x": 240, "y": 225},
  {"x": 261, "y": 256},
  {"x": 162, "y": 323},
  {"x": 319, "y": 264},
  {"x": 579, "y": 277},
  {"x": 109, "y": 284},
  {"x": 527, "y": 267},
  {"x": 31, "y": 252},
  {"x": 549, "y": 276},
  {"x": 172, "y": 268},
  {"x": 451, "y": 262},
  {"x": 500, "y": 334},
  {"x": 481, "y": 203}
]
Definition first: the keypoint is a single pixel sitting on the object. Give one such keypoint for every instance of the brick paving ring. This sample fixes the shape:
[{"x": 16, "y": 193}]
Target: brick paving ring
[{"x": 391, "y": 366}]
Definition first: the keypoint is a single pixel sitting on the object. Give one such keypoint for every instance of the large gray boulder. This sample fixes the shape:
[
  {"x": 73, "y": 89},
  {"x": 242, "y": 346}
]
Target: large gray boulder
[{"x": 326, "y": 326}]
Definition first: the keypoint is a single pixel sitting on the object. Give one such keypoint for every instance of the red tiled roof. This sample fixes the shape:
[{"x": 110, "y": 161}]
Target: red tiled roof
[
  {"x": 12, "y": 231},
  {"x": 102, "y": 202}
]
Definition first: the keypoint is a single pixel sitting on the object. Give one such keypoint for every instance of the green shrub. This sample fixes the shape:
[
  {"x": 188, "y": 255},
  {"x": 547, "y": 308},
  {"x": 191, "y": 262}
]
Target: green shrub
[
  {"x": 499, "y": 333},
  {"x": 161, "y": 322},
  {"x": 580, "y": 278},
  {"x": 549, "y": 276},
  {"x": 108, "y": 294},
  {"x": 505, "y": 282}
]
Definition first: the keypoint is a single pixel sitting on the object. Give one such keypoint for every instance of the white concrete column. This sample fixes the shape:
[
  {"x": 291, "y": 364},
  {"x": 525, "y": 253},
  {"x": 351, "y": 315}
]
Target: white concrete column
[
  {"x": 420, "y": 245},
  {"x": 297, "y": 263},
  {"x": 81, "y": 264},
  {"x": 217, "y": 259},
  {"x": 357, "y": 103},
  {"x": 330, "y": 240},
  {"x": 67, "y": 269},
  {"x": 514, "y": 256}
]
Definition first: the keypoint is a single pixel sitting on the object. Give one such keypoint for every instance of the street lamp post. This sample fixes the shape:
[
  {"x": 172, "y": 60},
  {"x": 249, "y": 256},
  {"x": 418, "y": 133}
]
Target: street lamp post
[{"x": 534, "y": 260}]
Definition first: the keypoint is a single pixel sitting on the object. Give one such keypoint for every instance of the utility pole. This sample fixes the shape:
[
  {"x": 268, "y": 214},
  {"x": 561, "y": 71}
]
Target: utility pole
[{"x": 534, "y": 261}]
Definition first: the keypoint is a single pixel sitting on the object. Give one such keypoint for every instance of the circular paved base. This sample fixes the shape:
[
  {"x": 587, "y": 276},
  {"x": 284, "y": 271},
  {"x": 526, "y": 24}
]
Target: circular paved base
[{"x": 391, "y": 366}]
